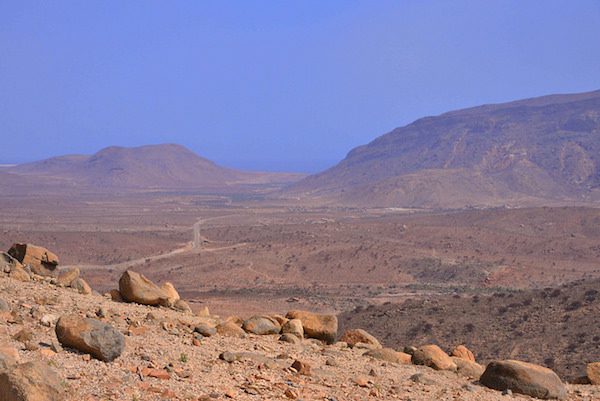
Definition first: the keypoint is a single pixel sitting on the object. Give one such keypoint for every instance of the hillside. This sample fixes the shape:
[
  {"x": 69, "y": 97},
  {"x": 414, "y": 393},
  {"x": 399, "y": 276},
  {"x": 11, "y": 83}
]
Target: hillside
[
  {"x": 165, "y": 166},
  {"x": 551, "y": 327},
  {"x": 61, "y": 344},
  {"x": 536, "y": 151}
]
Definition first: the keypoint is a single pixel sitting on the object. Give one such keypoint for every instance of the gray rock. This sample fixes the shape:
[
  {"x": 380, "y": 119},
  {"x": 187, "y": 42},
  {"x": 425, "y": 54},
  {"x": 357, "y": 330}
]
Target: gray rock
[
  {"x": 91, "y": 336},
  {"x": 4, "y": 306},
  {"x": 205, "y": 329},
  {"x": 262, "y": 325}
]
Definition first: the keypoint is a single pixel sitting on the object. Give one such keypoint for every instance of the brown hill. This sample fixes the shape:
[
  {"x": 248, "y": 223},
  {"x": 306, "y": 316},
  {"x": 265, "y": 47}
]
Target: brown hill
[
  {"x": 167, "y": 166},
  {"x": 554, "y": 327},
  {"x": 541, "y": 150}
]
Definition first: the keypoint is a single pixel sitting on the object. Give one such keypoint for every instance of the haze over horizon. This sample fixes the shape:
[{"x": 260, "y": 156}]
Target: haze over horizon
[{"x": 273, "y": 86}]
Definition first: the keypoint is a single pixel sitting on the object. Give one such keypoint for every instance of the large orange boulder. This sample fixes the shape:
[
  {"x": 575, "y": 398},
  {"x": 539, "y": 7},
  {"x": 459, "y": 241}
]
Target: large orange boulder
[
  {"x": 40, "y": 260},
  {"x": 523, "y": 378},
  {"x": 135, "y": 287},
  {"x": 434, "y": 357},
  {"x": 463, "y": 352},
  {"x": 321, "y": 327}
]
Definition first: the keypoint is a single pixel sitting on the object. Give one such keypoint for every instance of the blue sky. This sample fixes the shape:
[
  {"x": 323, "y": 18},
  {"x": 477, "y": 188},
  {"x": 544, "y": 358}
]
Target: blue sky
[{"x": 273, "y": 85}]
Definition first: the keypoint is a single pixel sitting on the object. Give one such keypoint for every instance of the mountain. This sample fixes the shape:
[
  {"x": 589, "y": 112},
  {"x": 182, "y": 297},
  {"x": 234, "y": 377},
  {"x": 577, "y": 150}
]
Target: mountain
[
  {"x": 167, "y": 166},
  {"x": 540, "y": 150}
]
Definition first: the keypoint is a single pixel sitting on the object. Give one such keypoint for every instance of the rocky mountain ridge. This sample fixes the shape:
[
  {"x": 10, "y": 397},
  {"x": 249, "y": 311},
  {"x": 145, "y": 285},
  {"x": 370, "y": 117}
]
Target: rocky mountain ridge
[{"x": 528, "y": 152}]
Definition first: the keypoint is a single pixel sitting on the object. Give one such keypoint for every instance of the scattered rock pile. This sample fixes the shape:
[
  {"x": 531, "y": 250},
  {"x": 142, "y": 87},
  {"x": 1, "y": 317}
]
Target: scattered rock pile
[{"x": 145, "y": 346}]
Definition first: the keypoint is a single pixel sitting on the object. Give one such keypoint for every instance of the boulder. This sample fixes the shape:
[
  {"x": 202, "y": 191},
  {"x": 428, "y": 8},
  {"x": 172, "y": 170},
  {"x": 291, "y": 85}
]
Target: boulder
[
  {"x": 280, "y": 319},
  {"x": 261, "y": 325},
  {"x": 354, "y": 336},
  {"x": 293, "y": 326},
  {"x": 31, "y": 381},
  {"x": 302, "y": 367},
  {"x": 289, "y": 338},
  {"x": 592, "y": 371},
  {"x": 7, "y": 262},
  {"x": 115, "y": 296},
  {"x": 469, "y": 369},
  {"x": 230, "y": 329},
  {"x": 172, "y": 294},
  {"x": 135, "y": 287},
  {"x": 389, "y": 355},
  {"x": 321, "y": 327},
  {"x": 19, "y": 273},
  {"x": 205, "y": 329},
  {"x": 81, "y": 286},
  {"x": 90, "y": 336},
  {"x": 39, "y": 259},
  {"x": 67, "y": 276},
  {"x": 523, "y": 378},
  {"x": 434, "y": 357},
  {"x": 463, "y": 352},
  {"x": 182, "y": 306},
  {"x": 9, "y": 356},
  {"x": 235, "y": 320}
]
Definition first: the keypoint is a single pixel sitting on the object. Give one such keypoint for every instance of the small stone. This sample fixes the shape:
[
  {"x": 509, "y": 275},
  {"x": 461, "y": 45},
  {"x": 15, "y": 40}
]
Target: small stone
[
  {"x": 291, "y": 394},
  {"x": 302, "y": 368},
  {"x": 49, "y": 320},
  {"x": 205, "y": 329},
  {"x": 289, "y": 338},
  {"x": 422, "y": 379},
  {"x": 361, "y": 381},
  {"x": 24, "y": 335}
]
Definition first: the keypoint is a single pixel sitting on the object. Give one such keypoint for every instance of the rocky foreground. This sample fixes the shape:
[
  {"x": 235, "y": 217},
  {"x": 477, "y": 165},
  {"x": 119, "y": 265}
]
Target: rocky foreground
[{"x": 59, "y": 342}]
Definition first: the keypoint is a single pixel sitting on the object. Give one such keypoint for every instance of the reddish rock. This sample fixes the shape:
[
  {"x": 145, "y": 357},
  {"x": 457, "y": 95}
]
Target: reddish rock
[
  {"x": 389, "y": 355},
  {"x": 355, "y": 336},
  {"x": 463, "y": 352},
  {"x": 302, "y": 367},
  {"x": 67, "y": 276},
  {"x": 31, "y": 381},
  {"x": 321, "y": 327},
  {"x": 135, "y": 287},
  {"x": 230, "y": 329},
  {"x": 434, "y": 357},
  {"x": 156, "y": 373},
  {"x": 593, "y": 372},
  {"x": 39, "y": 259}
]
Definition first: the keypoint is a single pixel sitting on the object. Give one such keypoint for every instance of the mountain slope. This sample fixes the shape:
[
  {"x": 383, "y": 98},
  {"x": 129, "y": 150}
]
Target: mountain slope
[
  {"x": 526, "y": 151},
  {"x": 153, "y": 166}
]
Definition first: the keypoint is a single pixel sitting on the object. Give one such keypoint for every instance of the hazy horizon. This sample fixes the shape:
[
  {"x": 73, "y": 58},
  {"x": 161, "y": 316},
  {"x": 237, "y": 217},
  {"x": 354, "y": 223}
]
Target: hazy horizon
[{"x": 273, "y": 86}]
